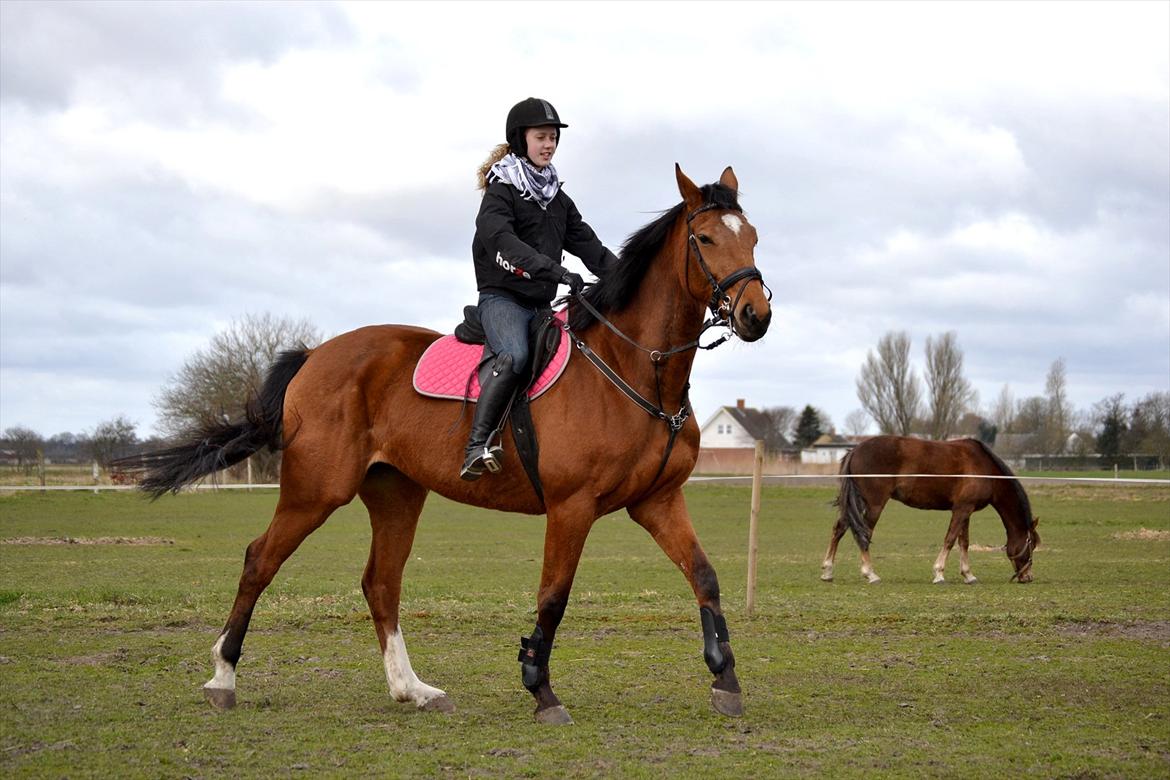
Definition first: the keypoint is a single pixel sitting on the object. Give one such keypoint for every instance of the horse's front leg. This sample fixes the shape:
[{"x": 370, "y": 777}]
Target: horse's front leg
[
  {"x": 665, "y": 516},
  {"x": 564, "y": 539}
]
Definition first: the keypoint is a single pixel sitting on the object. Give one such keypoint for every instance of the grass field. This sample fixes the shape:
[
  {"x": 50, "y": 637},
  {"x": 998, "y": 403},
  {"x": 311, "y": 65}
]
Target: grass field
[{"x": 103, "y": 646}]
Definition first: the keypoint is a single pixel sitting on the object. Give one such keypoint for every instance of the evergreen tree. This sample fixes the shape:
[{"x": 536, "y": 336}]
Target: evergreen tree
[
  {"x": 1111, "y": 414},
  {"x": 808, "y": 429}
]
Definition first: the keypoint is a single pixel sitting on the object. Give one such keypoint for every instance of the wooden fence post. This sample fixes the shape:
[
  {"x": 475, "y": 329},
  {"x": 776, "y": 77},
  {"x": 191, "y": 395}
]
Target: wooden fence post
[{"x": 753, "y": 526}]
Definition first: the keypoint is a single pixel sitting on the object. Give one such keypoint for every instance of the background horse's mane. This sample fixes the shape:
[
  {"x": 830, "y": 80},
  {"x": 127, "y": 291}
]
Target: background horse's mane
[
  {"x": 615, "y": 289},
  {"x": 1005, "y": 469}
]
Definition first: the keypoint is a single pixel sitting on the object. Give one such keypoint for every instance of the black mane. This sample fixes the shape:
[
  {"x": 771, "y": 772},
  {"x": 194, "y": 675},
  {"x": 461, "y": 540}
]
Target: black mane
[
  {"x": 614, "y": 290},
  {"x": 1005, "y": 469}
]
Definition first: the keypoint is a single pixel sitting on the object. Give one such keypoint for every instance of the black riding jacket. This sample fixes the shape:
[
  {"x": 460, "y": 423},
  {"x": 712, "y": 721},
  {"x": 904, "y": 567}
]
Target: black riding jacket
[{"x": 517, "y": 246}]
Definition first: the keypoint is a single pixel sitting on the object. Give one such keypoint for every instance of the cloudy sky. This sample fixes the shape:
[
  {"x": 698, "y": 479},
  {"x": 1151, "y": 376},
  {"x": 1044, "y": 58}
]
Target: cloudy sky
[{"x": 1001, "y": 170}]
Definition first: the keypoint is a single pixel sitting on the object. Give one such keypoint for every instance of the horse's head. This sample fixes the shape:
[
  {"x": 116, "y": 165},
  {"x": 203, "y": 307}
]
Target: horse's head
[
  {"x": 721, "y": 245},
  {"x": 1020, "y": 552}
]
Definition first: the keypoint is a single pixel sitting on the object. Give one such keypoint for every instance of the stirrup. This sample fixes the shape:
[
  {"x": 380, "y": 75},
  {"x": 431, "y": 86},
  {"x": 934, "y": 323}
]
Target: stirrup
[
  {"x": 493, "y": 458},
  {"x": 487, "y": 459}
]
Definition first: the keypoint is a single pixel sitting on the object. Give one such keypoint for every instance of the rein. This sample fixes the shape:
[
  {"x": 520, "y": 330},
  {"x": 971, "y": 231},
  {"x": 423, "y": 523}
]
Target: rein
[{"x": 721, "y": 307}]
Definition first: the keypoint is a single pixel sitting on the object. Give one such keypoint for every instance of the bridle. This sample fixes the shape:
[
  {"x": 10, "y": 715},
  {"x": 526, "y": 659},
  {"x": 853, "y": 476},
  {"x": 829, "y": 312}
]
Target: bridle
[
  {"x": 720, "y": 304},
  {"x": 1025, "y": 553},
  {"x": 721, "y": 307}
]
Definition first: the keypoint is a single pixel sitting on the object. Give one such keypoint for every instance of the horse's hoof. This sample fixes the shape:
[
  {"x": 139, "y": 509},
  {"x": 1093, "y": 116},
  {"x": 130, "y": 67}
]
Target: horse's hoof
[
  {"x": 554, "y": 716},
  {"x": 220, "y": 698},
  {"x": 727, "y": 703},
  {"x": 827, "y": 577},
  {"x": 438, "y": 704},
  {"x": 939, "y": 581},
  {"x": 971, "y": 580},
  {"x": 873, "y": 579}
]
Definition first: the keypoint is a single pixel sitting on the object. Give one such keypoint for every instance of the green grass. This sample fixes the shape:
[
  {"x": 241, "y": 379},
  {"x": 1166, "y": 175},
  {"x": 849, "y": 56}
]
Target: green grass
[{"x": 103, "y": 647}]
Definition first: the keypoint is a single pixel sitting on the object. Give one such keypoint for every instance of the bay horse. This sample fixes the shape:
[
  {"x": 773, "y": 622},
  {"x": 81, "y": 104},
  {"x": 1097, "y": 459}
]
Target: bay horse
[
  {"x": 350, "y": 424},
  {"x": 906, "y": 469}
]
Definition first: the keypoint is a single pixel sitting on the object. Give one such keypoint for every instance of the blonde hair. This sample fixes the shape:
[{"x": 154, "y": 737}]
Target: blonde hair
[{"x": 498, "y": 153}]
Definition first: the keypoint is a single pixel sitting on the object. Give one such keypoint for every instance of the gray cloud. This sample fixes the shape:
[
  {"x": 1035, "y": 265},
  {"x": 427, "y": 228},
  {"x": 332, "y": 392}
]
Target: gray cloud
[{"x": 164, "y": 57}]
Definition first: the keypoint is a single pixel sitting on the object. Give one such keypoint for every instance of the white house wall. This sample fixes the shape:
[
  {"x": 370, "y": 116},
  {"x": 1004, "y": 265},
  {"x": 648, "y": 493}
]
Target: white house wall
[
  {"x": 823, "y": 455},
  {"x": 732, "y": 435}
]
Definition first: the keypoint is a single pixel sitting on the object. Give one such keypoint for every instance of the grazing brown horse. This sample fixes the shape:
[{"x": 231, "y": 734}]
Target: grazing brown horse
[
  {"x": 350, "y": 424},
  {"x": 861, "y": 499}
]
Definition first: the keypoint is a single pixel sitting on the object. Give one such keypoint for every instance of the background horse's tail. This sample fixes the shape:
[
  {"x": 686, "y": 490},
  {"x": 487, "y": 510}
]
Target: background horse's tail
[
  {"x": 851, "y": 505},
  {"x": 215, "y": 446}
]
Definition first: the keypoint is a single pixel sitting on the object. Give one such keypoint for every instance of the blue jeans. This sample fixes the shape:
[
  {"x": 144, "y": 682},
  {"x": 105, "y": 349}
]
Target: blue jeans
[{"x": 505, "y": 324}]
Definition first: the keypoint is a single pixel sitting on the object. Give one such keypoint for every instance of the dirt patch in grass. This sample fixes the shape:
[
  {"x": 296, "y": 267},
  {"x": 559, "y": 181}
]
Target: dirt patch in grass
[
  {"x": 984, "y": 548},
  {"x": 132, "y": 540},
  {"x": 1145, "y": 534},
  {"x": 97, "y": 659},
  {"x": 1158, "y": 630}
]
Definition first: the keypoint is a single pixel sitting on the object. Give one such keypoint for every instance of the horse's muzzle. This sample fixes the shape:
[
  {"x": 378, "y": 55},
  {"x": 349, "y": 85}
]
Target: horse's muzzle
[{"x": 750, "y": 325}]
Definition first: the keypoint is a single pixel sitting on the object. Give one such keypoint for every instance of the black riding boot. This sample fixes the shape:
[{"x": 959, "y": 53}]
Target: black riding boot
[{"x": 495, "y": 394}]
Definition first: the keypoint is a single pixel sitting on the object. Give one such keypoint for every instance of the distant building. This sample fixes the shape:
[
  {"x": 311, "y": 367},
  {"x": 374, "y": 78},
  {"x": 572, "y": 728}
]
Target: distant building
[
  {"x": 734, "y": 427},
  {"x": 728, "y": 440},
  {"x": 829, "y": 448}
]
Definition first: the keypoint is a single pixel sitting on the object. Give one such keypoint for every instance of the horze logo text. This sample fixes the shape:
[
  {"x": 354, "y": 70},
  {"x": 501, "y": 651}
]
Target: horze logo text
[{"x": 511, "y": 268}]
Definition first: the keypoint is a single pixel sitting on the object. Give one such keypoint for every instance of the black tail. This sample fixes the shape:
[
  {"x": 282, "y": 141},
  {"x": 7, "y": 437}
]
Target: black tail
[
  {"x": 215, "y": 446},
  {"x": 852, "y": 505}
]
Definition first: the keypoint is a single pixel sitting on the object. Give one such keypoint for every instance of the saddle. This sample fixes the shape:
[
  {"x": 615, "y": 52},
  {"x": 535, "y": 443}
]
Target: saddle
[{"x": 450, "y": 369}]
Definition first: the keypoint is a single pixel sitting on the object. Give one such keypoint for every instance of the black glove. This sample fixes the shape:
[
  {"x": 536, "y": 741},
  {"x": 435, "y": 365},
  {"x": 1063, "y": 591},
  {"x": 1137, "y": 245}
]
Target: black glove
[{"x": 575, "y": 282}]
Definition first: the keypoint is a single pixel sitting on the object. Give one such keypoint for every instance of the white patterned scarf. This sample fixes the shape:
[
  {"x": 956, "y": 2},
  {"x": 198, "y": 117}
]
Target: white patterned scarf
[{"x": 536, "y": 184}]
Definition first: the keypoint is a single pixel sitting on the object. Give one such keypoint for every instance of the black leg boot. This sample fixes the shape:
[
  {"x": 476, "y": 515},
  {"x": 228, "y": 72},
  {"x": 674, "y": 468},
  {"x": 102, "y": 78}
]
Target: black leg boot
[{"x": 495, "y": 396}]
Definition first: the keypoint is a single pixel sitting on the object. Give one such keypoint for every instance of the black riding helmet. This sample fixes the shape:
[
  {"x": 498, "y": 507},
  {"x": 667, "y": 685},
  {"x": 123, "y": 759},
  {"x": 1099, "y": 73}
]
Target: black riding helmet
[{"x": 530, "y": 112}]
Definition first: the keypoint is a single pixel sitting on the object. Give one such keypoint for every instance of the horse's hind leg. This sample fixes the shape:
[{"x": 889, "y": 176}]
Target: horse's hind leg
[
  {"x": 666, "y": 518},
  {"x": 295, "y": 518},
  {"x": 394, "y": 503},
  {"x": 959, "y": 518},
  {"x": 872, "y": 515},
  {"x": 831, "y": 554}
]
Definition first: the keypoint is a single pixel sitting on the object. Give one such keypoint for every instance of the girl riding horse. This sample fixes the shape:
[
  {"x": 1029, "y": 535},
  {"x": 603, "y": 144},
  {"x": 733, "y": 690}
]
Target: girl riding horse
[{"x": 525, "y": 221}]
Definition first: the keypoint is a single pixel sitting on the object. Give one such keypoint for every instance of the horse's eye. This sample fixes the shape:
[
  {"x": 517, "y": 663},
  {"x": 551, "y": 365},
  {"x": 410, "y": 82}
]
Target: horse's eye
[{"x": 705, "y": 239}]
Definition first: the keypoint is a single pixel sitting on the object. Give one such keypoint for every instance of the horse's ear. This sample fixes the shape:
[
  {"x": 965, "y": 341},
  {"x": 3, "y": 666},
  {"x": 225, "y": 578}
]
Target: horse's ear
[
  {"x": 728, "y": 179},
  {"x": 691, "y": 195}
]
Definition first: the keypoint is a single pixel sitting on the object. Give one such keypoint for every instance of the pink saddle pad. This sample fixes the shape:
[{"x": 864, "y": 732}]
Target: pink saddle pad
[{"x": 443, "y": 369}]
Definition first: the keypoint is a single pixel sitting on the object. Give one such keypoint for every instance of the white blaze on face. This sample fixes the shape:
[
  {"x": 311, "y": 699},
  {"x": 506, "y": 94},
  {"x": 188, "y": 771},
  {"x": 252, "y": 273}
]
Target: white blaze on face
[
  {"x": 404, "y": 684},
  {"x": 733, "y": 223}
]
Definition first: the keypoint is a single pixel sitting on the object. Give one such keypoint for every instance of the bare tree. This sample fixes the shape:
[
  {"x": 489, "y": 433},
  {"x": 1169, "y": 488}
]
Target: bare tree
[
  {"x": 1059, "y": 417},
  {"x": 1031, "y": 421},
  {"x": 25, "y": 444},
  {"x": 950, "y": 392},
  {"x": 111, "y": 440},
  {"x": 1004, "y": 414},
  {"x": 1150, "y": 426},
  {"x": 857, "y": 422},
  {"x": 215, "y": 383},
  {"x": 781, "y": 426},
  {"x": 887, "y": 387}
]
